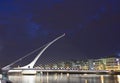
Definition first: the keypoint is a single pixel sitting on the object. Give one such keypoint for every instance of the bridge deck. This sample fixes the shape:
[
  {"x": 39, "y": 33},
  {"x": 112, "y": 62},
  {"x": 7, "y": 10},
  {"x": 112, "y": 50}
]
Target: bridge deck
[{"x": 64, "y": 71}]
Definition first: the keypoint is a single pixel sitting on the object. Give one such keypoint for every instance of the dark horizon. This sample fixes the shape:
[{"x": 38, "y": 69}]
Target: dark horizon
[{"x": 92, "y": 29}]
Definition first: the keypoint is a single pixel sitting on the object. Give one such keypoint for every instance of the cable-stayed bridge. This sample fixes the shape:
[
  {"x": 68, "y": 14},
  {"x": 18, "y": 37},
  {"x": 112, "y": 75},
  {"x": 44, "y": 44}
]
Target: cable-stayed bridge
[
  {"x": 30, "y": 66},
  {"x": 30, "y": 69}
]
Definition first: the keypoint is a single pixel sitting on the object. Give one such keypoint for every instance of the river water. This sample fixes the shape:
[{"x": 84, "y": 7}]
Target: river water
[{"x": 65, "y": 78}]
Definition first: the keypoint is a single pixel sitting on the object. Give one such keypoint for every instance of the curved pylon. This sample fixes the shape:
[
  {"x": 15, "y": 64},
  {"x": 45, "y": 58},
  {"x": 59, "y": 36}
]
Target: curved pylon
[{"x": 31, "y": 65}]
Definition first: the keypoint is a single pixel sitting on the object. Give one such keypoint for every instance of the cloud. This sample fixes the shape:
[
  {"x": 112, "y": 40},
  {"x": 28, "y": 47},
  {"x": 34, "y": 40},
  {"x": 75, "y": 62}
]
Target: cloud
[
  {"x": 54, "y": 15},
  {"x": 67, "y": 15},
  {"x": 34, "y": 30}
]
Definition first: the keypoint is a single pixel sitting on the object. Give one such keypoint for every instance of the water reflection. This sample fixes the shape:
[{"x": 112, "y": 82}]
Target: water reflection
[
  {"x": 28, "y": 79},
  {"x": 102, "y": 79},
  {"x": 86, "y": 81},
  {"x": 65, "y": 78},
  {"x": 47, "y": 77},
  {"x": 118, "y": 78}
]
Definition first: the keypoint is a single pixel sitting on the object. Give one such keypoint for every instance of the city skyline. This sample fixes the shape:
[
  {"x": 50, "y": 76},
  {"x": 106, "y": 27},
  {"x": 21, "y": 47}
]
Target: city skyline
[{"x": 92, "y": 29}]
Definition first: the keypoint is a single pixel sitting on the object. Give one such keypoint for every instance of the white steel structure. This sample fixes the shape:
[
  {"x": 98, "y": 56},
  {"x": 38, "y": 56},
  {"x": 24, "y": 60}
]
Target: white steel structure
[{"x": 31, "y": 65}]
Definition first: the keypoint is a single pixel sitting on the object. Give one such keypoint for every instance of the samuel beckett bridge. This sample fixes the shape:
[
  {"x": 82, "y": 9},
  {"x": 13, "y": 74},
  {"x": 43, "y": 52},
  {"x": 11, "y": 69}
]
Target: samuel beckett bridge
[{"x": 29, "y": 69}]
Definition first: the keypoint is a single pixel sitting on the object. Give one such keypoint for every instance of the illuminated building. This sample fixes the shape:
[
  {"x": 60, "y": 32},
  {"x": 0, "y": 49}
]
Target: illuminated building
[{"x": 112, "y": 64}]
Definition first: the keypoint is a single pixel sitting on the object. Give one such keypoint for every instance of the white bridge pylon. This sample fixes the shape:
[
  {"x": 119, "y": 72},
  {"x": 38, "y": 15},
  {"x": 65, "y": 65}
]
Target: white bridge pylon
[{"x": 31, "y": 65}]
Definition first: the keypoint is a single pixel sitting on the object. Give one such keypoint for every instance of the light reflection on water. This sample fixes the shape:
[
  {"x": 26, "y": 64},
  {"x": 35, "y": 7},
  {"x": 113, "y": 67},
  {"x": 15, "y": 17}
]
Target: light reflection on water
[
  {"x": 65, "y": 78},
  {"x": 118, "y": 78},
  {"x": 102, "y": 79}
]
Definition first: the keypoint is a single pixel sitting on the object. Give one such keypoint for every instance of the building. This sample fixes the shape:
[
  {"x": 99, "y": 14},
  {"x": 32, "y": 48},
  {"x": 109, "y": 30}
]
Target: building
[{"x": 113, "y": 64}]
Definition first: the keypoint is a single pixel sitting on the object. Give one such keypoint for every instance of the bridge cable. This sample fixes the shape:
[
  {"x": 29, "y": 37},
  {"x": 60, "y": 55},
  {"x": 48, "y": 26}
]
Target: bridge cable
[{"x": 25, "y": 56}]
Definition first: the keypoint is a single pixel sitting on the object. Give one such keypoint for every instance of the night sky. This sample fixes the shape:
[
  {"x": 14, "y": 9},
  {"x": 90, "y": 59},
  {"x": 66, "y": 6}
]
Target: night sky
[{"x": 92, "y": 29}]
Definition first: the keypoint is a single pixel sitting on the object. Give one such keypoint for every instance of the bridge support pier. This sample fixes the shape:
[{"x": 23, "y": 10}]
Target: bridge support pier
[
  {"x": 4, "y": 75},
  {"x": 47, "y": 73},
  {"x": 41, "y": 73},
  {"x": 5, "y": 78}
]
